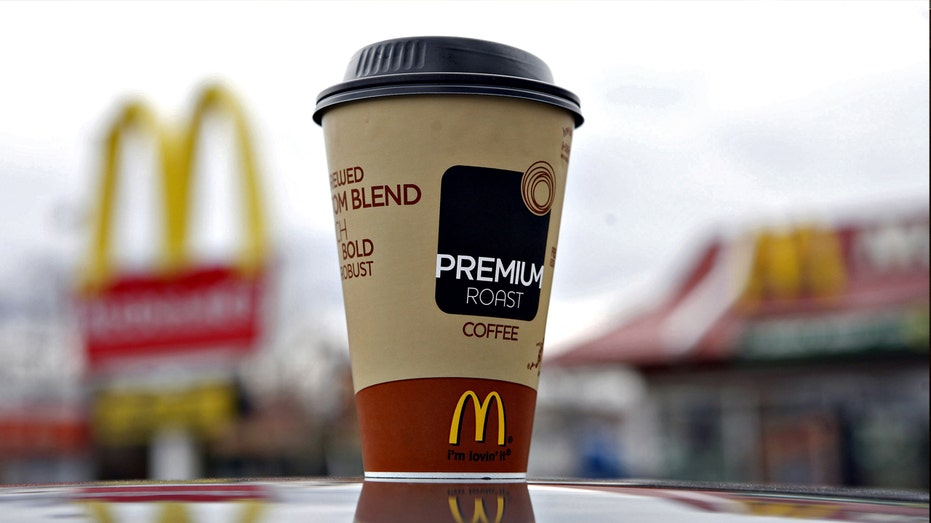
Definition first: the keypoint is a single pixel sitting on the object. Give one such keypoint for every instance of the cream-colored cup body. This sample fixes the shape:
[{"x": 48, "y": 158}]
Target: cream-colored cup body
[{"x": 446, "y": 211}]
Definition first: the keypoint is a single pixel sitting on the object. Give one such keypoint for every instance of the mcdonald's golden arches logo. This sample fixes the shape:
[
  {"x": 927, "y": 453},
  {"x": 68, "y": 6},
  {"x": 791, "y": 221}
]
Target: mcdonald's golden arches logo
[
  {"x": 801, "y": 262},
  {"x": 479, "y": 513},
  {"x": 481, "y": 417}
]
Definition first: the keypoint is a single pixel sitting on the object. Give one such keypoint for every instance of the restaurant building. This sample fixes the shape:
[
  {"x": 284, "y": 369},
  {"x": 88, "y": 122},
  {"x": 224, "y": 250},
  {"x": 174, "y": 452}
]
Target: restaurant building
[{"x": 784, "y": 355}]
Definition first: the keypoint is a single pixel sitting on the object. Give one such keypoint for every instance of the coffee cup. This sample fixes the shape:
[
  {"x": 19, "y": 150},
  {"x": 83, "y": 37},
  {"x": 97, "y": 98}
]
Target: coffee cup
[{"x": 447, "y": 161}]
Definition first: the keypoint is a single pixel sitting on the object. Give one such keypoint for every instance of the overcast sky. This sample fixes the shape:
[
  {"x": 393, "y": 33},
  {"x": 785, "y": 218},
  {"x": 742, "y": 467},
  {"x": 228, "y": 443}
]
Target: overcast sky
[{"x": 700, "y": 116}]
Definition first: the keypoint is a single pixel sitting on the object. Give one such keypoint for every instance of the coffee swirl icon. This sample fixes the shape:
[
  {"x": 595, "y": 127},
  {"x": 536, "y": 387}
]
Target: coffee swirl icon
[{"x": 538, "y": 188}]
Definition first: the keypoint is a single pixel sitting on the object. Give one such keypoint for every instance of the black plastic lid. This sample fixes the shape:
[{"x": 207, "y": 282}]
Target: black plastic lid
[{"x": 446, "y": 65}]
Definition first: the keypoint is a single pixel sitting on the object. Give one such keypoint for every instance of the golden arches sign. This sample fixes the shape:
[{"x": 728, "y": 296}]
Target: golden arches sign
[
  {"x": 176, "y": 153},
  {"x": 481, "y": 416},
  {"x": 178, "y": 307},
  {"x": 802, "y": 262}
]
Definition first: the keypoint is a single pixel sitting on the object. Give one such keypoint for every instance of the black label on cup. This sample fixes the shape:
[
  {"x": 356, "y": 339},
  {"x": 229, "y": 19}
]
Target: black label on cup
[{"x": 492, "y": 240}]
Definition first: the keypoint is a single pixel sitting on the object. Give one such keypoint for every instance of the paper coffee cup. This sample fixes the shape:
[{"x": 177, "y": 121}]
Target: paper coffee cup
[{"x": 447, "y": 163}]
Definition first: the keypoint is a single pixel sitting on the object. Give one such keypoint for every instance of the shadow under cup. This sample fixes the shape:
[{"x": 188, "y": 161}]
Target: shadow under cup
[{"x": 448, "y": 161}]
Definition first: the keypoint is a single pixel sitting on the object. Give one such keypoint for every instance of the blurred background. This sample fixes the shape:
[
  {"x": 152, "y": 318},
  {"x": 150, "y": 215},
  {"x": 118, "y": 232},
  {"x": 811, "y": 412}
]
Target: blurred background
[{"x": 742, "y": 290}]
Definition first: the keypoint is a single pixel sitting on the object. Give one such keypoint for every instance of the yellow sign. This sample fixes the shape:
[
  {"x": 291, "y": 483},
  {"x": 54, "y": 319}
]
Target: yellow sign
[
  {"x": 481, "y": 417},
  {"x": 479, "y": 514},
  {"x": 126, "y": 417},
  {"x": 183, "y": 305},
  {"x": 176, "y": 152},
  {"x": 805, "y": 262}
]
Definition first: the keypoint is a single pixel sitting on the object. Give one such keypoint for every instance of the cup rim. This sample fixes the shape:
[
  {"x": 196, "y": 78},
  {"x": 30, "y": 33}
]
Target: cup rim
[{"x": 447, "y": 83}]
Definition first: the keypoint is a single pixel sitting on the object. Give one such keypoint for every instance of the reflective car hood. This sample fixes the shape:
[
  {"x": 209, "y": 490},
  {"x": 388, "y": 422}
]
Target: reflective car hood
[{"x": 354, "y": 500}]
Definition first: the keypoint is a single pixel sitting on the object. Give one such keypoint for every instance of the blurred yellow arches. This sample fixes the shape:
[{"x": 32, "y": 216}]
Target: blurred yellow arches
[{"x": 176, "y": 152}]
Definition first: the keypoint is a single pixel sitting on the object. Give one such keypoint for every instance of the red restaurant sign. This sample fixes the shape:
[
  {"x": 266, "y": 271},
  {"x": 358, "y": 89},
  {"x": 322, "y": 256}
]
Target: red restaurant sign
[
  {"x": 179, "y": 308},
  {"x": 785, "y": 293}
]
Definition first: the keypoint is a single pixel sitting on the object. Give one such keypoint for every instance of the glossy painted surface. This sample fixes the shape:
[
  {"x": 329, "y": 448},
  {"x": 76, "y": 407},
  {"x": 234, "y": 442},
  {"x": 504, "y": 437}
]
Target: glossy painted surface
[{"x": 348, "y": 500}]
